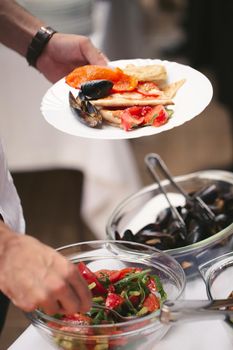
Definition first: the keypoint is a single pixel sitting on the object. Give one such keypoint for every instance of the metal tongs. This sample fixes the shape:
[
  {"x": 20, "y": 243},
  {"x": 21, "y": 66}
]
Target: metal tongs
[
  {"x": 178, "y": 311},
  {"x": 205, "y": 214},
  {"x": 194, "y": 310}
]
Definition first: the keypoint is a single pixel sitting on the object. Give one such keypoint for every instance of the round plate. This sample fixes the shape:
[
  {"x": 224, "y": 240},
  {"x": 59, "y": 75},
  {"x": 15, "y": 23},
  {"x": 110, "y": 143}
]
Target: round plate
[{"x": 190, "y": 100}]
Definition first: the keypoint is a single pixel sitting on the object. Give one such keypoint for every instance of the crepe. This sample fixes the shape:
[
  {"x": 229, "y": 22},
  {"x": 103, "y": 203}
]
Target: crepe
[{"x": 129, "y": 99}]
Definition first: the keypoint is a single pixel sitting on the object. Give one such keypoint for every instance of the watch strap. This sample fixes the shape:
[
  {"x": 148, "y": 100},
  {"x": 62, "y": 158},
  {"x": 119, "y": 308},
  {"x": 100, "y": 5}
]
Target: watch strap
[{"x": 38, "y": 43}]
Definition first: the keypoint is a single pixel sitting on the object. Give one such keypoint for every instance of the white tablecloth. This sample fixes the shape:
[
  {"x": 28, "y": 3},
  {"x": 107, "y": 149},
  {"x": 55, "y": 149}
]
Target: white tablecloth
[
  {"x": 31, "y": 143},
  {"x": 204, "y": 335}
]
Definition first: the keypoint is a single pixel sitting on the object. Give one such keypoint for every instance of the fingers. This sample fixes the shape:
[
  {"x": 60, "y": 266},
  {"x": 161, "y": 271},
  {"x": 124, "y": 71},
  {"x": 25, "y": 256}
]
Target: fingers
[
  {"x": 41, "y": 277},
  {"x": 62, "y": 290},
  {"x": 72, "y": 294},
  {"x": 91, "y": 53},
  {"x": 80, "y": 288}
]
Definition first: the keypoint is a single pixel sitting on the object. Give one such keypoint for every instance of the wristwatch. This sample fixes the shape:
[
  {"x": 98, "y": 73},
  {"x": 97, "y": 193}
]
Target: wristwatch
[{"x": 38, "y": 43}]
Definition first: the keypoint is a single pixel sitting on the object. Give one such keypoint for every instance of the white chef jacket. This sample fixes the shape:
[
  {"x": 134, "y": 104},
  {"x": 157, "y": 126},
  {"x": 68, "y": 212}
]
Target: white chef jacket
[{"x": 10, "y": 206}]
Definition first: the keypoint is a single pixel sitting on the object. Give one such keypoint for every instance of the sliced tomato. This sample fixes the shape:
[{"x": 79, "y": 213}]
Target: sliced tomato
[
  {"x": 148, "y": 88},
  {"x": 156, "y": 116},
  {"x": 90, "y": 277},
  {"x": 113, "y": 300},
  {"x": 133, "y": 116},
  {"x": 128, "y": 270},
  {"x": 151, "y": 303},
  {"x": 128, "y": 122}
]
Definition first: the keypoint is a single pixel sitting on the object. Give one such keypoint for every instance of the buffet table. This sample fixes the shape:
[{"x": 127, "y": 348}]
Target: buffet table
[{"x": 204, "y": 335}]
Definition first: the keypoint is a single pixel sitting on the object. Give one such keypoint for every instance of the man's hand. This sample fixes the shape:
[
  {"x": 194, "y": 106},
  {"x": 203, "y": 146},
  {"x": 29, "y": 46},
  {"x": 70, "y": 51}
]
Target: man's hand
[
  {"x": 64, "y": 52},
  {"x": 34, "y": 275}
]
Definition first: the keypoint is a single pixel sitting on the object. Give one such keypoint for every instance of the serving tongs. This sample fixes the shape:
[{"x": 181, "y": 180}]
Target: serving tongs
[
  {"x": 178, "y": 311},
  {"x": 205, "y": 214}
]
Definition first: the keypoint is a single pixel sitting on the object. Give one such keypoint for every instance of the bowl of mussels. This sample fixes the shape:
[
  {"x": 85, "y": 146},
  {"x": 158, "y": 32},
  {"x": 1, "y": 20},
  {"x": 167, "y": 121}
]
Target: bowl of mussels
[{"x": 189, "y": 217}]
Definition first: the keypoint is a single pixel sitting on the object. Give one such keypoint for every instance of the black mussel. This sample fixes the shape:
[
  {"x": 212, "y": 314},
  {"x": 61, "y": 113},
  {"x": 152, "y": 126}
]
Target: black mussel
[
  {"x": 117, "y": 236},
  {"x": 208, "y": 194},
  {"x": 221, "y": 221},
  {"x": 168, "y": 232},
  {"x": 177, "y": 230},
  {"x": 146, "y": 234},
  {"x": 228, "y": 202},
  {"x": 217, "y": 207},
  {"x": 195, "y": 232},
  {"x": 148, "y": 229},
  {"x": 184, "y": 213},
  {"x": 163, "y": 218},
  {"x": 128, "y": 236},
  {"x": 162, "y": 240},
  {"x": 95, "y": 89},
  {"x": 87, "y": 113}
]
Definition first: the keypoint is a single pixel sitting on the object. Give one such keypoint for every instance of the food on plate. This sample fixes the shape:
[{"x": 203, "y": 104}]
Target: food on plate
[
  {"x": 113, "y": 91},
  {"x": 95, "y": 89},
  {"x": 86, "y": 112},
  {"x": 164, "y": 233},
  {"x": 121, "y": 81},
  {"x": 155, "y": 73},
  {"x": 129, "y": 291}
]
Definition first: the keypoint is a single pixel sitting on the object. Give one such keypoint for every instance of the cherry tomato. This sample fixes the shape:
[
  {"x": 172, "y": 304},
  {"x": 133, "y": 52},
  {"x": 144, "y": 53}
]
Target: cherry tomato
[
  {"x": 151, "y": 302},
  {"x": 90, "y": 277},
  {"x": 113, "y": 300}
]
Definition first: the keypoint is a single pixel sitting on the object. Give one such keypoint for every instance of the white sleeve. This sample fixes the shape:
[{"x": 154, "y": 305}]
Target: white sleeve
[{"x": 10, "y": 206}]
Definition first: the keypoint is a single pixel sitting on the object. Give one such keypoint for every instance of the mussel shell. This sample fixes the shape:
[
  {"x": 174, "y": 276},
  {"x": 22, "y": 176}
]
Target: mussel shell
[
  {"x": 95, "y": 89},
  {"x": 85, "y": 111},
  {"x": 195, "y": 232},
  {"x": 163, "y": 218},
  {"x": 208, "y": 194},
  {"x": 128, "y": 236}
]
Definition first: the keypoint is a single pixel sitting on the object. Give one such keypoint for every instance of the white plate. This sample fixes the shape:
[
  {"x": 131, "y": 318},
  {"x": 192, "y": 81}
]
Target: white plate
[{"x": 190, "y": 101}]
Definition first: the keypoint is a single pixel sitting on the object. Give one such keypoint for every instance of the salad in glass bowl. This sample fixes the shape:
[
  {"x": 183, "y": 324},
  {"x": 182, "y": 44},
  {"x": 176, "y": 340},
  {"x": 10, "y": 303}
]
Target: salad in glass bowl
[{"x": 129, "y": 278}]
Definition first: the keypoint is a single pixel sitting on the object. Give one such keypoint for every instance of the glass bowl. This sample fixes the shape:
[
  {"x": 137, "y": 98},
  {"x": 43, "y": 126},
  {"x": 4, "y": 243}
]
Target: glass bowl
[
  {"x": 142, "y": 208},
  {"x": 218, "y": 276},
  {"x": 137, "y": 334}
]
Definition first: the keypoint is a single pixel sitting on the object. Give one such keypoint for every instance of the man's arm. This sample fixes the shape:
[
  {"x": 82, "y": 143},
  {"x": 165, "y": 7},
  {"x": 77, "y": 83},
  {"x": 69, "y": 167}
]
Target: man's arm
[
  {"x": 17, "y": 26},
  {"x": 61, "y": 53}
]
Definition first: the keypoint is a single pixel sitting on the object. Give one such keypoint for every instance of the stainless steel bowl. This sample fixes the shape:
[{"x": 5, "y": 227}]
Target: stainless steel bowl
[{"x": 141, "y": 208}]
